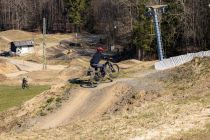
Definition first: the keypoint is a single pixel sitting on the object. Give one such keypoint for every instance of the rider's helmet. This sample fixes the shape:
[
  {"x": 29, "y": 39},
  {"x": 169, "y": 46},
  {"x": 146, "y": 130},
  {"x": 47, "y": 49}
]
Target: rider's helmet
[{"x": 100, "y": 49}]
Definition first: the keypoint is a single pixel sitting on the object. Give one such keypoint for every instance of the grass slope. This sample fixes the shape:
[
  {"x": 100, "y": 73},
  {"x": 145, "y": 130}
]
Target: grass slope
[{"x": 11, "y": 96}]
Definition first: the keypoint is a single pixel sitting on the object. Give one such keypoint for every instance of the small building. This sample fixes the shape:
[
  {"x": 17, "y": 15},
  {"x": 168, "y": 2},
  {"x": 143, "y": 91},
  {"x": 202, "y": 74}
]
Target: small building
[{"x": 22, "y": 47}]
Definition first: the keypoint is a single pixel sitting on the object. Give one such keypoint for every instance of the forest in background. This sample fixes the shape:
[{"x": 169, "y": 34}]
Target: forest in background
[{"x": 185, "y": 26}]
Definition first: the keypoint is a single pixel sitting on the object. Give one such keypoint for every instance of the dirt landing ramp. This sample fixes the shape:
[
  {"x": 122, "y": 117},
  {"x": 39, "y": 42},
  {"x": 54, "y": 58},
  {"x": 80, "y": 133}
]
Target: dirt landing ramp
[{"x": 84, "y": 104}]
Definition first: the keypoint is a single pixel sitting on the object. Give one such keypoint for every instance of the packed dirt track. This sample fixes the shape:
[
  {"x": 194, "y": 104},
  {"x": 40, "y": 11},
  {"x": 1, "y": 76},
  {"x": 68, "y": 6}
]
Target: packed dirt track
[{"x": 14, "y": 70}]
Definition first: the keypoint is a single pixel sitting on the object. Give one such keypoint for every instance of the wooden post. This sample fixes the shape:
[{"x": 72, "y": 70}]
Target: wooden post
[{"x": 44, "y": 44}]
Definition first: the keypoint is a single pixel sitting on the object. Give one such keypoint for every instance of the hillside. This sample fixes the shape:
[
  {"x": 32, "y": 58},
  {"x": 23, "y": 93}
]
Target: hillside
[
  {"x": 143, "y": 104},
  {"x": 6, "y": 67},
  {"x": 17, "y": 35}
]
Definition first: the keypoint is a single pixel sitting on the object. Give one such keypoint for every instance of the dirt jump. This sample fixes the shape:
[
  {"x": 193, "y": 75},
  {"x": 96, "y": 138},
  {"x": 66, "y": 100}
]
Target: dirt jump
[{"x": 84, "y": 104}]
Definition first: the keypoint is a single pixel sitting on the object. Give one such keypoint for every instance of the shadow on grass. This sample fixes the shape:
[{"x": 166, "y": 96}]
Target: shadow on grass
[
  {"x": 82, "y": 83},
  {"x": 87, "y": 83}
]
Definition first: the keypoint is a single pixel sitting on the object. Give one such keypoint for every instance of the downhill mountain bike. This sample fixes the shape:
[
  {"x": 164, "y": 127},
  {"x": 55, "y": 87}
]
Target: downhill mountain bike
[{"x": 109, "y": 71}]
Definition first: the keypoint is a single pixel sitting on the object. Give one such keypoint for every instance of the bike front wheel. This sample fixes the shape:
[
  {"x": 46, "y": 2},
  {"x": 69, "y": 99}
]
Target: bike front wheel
[{"x": 112, "y": 70}]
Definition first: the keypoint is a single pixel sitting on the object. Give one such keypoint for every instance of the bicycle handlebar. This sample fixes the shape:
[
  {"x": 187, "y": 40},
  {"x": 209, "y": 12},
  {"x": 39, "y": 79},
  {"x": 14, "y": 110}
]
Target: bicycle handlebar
[{"x": 108, "y": 58}]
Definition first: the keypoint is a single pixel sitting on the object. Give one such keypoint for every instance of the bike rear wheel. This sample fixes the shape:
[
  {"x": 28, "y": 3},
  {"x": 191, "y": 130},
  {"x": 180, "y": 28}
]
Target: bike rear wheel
[{"x": 95, "y": 78}]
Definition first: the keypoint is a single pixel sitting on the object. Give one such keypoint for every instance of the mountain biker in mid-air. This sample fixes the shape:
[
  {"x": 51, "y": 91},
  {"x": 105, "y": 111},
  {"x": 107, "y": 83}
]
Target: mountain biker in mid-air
[{"x": 94, "y": 62}]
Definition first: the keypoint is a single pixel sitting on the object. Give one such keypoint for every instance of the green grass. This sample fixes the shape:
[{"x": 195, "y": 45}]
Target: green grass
[{"x": 11, "y": 96}]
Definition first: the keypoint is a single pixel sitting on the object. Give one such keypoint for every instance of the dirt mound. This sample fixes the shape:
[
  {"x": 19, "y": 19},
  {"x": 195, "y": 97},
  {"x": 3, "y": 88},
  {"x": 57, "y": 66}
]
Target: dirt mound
[
  {"x": 72, "y": 72},
  {"x": 4, "y": 44},
  {"x": 76, "y": 69},
  {"x": 131, "y": 99},
  {"x": 190, "y": 73},
  {"x": 6, "y": 67},
  {"x": 131, "y": 61},
  {"x": 57, "y": 52},
  {"x": 43, "y": 77},
  {"x": 127, "y": 64},
  {"x": 83, "y": 62}
]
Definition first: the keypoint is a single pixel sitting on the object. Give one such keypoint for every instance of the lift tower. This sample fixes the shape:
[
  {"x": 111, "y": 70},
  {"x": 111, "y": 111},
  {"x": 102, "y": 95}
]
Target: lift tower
[{"x": 155, "y": 11}]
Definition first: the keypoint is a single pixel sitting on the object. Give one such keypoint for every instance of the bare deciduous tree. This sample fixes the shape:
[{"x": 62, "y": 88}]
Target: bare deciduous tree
[{"x": 28, "y": 14}]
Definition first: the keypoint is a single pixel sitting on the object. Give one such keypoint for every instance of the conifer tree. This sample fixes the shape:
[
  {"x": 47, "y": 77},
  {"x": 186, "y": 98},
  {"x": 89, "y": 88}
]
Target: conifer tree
[{"x": 76, "y": 11}]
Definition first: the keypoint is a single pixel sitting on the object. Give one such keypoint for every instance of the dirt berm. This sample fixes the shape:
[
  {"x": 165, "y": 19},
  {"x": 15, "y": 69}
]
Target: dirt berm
[{"x": 6, "y": 67}]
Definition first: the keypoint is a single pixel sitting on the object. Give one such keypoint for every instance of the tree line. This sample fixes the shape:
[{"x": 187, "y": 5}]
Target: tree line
[
  {"x": 29, "y": 14},
  {"x": 185, "y": 26}
]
